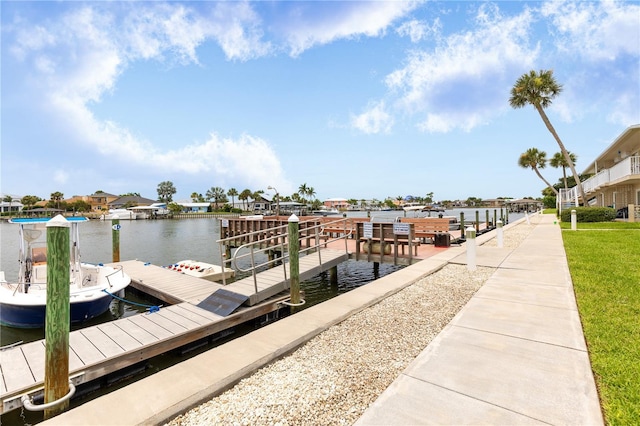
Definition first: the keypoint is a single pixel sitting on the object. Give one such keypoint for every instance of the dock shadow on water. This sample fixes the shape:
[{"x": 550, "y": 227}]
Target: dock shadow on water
[{"x": 351, "y": 274}]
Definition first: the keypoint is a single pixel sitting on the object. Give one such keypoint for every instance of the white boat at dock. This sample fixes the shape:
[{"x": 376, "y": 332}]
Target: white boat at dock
[
  {"x": 326, "y": 212},
  {"x": 122, "y": 214},
  {"x": 203, "y": 270},
  {"x": 152, "y": 211},
  {"x": 23, "y": 301}
]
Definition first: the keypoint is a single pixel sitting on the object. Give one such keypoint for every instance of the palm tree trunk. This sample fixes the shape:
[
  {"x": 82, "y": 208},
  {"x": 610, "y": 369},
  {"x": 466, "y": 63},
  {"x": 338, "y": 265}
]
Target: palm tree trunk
[
  {"x": 555, "y": 191},
  {"x": 564, "y": 176},
  {"x": 564, "y": 151}
]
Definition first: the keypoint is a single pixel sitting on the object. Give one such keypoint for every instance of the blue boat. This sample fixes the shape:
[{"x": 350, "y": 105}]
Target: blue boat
[{"x": 23, "y": 301}]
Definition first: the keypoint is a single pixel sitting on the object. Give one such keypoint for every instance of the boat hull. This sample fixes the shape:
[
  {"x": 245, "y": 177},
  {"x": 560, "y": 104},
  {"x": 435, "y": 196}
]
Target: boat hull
[{"x": 33, "y": 316}]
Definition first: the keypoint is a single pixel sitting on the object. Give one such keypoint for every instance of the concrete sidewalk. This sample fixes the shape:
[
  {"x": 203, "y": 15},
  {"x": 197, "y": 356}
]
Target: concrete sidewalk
[{"x": 515, "y": 354}]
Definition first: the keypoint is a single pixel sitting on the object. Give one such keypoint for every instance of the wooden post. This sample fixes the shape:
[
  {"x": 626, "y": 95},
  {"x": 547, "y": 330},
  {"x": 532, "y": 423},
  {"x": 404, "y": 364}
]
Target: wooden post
[
  {"x": 294, "y": 258},
  {"x": 115, "y": 240},
  {"x": 486, "y": 218},
  {"x": 58, "y": 316},
  {"x": 333, "y": 275},
  {"x": 462, "y": 225},
  {"x": 477, "y": 222}
]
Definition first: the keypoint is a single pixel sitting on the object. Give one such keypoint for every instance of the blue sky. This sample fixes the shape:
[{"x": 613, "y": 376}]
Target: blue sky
[{"x": 355, "y": 99}]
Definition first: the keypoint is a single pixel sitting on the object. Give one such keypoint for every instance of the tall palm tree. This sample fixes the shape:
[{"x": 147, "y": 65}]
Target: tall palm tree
[
  {"x": 8, "y": 199},
  {"x": 256, "y": 195},
  {"x": 56, "y": 197},
  {"x": 535, "y": 159},
  {"x": 244, "y": 197},
  {"x": 558, "y": 160},
  {"x": 302, "y": 190},
  {"x": 216, "y": 194},
  {"x": 232, "y": 192},
  {"x": 310, "y": 192},
  {"x": 539, "y": 89}
]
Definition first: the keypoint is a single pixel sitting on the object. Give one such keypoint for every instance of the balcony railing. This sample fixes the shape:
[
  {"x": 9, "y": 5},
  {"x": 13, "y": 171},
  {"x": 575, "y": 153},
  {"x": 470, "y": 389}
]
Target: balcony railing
[{"x": 626, "y": 168}]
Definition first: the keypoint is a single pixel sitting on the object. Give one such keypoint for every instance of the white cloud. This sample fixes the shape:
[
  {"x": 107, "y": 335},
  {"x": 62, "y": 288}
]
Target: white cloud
[
  {"x": 309, "y": 26},
  {"x": 374, "y": 120},
  {"x": 595, "y": 30},
  {"x": 455, "y": 84},
  {"x": 82, "y": 54},
  {"x": 418, "y": 30}
]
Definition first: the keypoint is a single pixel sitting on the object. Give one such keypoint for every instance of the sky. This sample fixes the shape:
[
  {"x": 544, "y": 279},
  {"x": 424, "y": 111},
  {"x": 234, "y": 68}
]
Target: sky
[{"x": 362, "y": 100}]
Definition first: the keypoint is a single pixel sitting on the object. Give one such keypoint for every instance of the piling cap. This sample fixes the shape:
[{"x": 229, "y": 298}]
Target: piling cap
[
  {"x": 59, "y": 222},
  {"x": 293, "y": 218}
]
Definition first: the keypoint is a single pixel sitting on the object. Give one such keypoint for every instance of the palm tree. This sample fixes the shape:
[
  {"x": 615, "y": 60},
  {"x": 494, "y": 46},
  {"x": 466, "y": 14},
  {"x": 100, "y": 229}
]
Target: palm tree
[
  {"x": 232, "y": 192},
  {"x": 56, "y": 197},
  {"x": 166, "y": 191},
  {"x": 536, "y": 160},
  {"x": 216, "y": 194},
  {"x": 30, "y": 200},
  {"x": 538, "y": 89},
  {"x": 244, "y": 196},
  {"x": 8, "y": 199},
  {"x": 558, "y": 160},
  {"x": 256, "y": 195},
  {"x": 303, "y": 190},
  {"x": 310, "y": 192}
]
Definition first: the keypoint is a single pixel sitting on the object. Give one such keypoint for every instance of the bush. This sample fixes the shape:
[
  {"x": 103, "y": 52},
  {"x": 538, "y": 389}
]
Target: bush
[{"x": 589, "y": 214}]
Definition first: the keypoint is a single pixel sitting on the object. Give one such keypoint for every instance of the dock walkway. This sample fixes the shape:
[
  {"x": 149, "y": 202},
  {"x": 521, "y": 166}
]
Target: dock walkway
[
  {"x": 515, "y": 354},
  {"x": 103, "y": 349}
]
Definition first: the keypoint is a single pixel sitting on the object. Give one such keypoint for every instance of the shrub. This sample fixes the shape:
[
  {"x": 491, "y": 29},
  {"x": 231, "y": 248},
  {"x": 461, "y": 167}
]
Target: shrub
[{"x": 589, "y": 214}]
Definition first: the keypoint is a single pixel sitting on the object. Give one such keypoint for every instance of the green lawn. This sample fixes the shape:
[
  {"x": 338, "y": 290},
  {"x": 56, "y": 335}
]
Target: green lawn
[{"x": 604, "y": 260}]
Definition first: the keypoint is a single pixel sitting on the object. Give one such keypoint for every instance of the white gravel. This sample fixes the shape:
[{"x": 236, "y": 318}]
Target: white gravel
[{"x": 334, "y": 377}]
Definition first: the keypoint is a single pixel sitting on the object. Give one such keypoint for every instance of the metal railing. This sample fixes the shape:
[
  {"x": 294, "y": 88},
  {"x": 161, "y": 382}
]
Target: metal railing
[
  {"x": 625, "y": 168},
  {"x": 261, "y": 243}
]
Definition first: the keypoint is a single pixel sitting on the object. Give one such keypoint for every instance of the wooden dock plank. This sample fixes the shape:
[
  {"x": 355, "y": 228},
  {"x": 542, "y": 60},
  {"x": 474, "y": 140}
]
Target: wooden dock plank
[
  {"x": 166, "y": 323},
  {"x": 125, "y": 340},
  {"x": 199, "y": 311},
  {"x": 102, "y": 342},
  {"x": 15, "y": 369},
  {"x": 176, "y": 318},
  {"x": 136, "y": 330},
  {"x": 34, "y": 353},
  {"x": 85, "y": 350},
  {"x": 154, "y": 329}
]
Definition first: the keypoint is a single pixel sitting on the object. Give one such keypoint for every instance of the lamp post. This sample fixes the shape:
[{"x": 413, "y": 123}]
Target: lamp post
[{"x": 277, "y": 199}]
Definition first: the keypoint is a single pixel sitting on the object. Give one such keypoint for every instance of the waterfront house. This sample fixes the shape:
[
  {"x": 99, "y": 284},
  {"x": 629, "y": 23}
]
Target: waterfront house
[
  {"x": 13, "y": 206},
  {"x": 130, "y": 201},
  {"x": 615, "y": 180},
  {"x": 336, "y": 203},
  {"x": 194, "y": 207},
  {"x": 100, "y": 201}
]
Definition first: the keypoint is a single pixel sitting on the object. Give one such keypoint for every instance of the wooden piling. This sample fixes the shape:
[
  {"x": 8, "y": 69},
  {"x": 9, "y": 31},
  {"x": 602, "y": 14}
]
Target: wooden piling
[
  {"x": 294, "y": 258},
  {"x": 58, "y": 316},
  {"x": 115, "y": 240},
  {"x": 333, "y": 275}
]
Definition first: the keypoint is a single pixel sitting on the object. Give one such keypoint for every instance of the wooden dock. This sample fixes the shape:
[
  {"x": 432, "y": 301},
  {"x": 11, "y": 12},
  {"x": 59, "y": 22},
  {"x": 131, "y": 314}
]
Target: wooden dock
[{"x": 106, "y": 348}]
